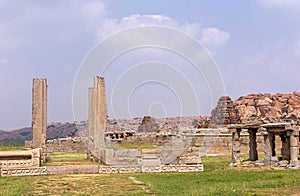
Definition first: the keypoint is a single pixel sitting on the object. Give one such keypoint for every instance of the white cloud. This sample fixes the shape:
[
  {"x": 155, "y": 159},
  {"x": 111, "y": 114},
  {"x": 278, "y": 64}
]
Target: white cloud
[
  {"x": 211, "y": 37},
  {"x": 50, "y": 38},
  {"x": 214, "y": 36}
]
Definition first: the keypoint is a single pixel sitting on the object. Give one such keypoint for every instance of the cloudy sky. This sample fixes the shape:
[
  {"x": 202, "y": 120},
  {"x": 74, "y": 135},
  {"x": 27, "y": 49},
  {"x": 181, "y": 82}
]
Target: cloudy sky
[{"x": 255, "y": 44}]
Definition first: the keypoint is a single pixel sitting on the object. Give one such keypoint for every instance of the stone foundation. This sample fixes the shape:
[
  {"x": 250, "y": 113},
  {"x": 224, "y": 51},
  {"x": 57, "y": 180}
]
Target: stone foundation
[{"x": 98, "y": 169}]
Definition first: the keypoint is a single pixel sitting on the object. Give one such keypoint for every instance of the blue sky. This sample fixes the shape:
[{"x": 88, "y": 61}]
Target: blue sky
[{"x": 255, "y": 43}]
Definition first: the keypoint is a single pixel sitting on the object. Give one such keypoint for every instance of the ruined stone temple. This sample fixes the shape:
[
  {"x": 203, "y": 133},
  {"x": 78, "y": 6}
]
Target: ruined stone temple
[
  {"x": 251, "y": 126},
  {"x": 250, "y": 119},
  {"x": 177, "y": 154}
]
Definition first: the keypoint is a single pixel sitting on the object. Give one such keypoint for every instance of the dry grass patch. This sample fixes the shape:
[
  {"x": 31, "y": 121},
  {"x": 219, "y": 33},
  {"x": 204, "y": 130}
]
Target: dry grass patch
[{"x": 86, "y": 184}]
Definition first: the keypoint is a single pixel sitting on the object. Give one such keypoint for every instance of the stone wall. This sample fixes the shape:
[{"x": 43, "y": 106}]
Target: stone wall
[
  {"x": 76, "y": 144},
  {"x": 153, "y": 139},
  {"x": 210, "y": 144}
]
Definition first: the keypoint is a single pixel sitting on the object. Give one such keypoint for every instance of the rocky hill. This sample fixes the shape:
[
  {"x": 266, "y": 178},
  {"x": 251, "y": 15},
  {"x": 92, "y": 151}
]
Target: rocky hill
[{"x": 278, "y": 106}]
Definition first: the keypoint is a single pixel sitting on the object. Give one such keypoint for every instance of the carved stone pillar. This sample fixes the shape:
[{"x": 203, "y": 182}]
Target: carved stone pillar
[
  {"x": 285, "y": 150},
  {"x": 253, "y": 156},
  {"x": 236, "y": 146},
  {"x": 267, "y": 149},
  {"x": 294, "y": 148}
]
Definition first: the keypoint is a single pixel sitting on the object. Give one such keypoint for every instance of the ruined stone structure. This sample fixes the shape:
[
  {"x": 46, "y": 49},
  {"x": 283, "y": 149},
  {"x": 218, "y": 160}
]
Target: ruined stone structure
[
  {"x": 76, "y": 144},
  {"x": 39, "y": 115},
  {"x": 289, "y": 136},
  {"x": 20, "y": 159},
  {"x": 148, "y": 125},
  {"x": 97, "y": 118},
  {"x": 177, "y": 152},
  {"x": 225, "y": 113}
]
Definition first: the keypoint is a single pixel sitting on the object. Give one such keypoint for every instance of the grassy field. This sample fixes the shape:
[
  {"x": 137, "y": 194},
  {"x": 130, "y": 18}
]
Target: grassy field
[
  {"x": 63, "y": 158},
  {"x": 12, "y": 148},
  {"x": 217, "y": 179}
]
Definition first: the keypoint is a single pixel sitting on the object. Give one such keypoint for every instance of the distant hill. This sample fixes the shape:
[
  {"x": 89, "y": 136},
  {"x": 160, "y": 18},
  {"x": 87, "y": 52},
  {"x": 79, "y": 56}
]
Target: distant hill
[
  {"x": 62, "y": 130},
  {"x": 277, "y": 107},
  {"x": 54, "y": 130}
]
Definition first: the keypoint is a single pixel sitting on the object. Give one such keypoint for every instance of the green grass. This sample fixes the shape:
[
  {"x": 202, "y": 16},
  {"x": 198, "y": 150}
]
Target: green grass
[
  {"x": 14, "y": 185},
  {"x": 68, "y": 158},
  {"x": 86, "y": 184},
  {"x": 217, "y": 179},
  {"x": 68, "y": 155},
  {"x": 12, "y": 148},
  {"x": 220, "y": 179}
]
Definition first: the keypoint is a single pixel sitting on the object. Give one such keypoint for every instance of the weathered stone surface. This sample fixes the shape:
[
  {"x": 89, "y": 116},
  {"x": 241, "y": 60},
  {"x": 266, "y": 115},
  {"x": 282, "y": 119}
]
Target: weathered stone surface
[
  {"x": 225, "y": 112},
  {"x": 97, "y": 118},
  {"x": 75, "y": 144},
  {"x": 148, "y": 125},
  {"x": 73, "y": 169},
  {"x": 20, "y": 159},
  {"x": 39, "y": 115},
  {"x": 278, "y": 106},
  {"x": 127, "y": 153},
  {"x": 34, "y": 171}
]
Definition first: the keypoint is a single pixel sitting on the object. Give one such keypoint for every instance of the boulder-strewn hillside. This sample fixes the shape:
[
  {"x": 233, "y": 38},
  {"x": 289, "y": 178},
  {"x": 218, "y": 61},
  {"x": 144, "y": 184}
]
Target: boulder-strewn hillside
[
  {"x": 278, "y": 106},
  {"x": 54, "y": 130}
]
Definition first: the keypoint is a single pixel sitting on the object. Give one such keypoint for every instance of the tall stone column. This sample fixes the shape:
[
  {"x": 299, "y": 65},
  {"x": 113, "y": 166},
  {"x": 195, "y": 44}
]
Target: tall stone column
[
  {"x": 252, "y": 145},
  {"x": 100, "y": 112},
  {"x": 39, "y": 114},
  {"x": 91, "y": 118},
  {"x": 294, "y": 148}
]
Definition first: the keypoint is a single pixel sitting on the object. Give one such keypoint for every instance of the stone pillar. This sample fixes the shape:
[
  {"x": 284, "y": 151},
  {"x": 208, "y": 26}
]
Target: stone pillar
[
  {"x": 236, "y": 146},
  {"x": 267, "y": 148},
  {"x": 285, "y": 150},
  {"x": 272, "y": 143},
  {"x": 91, "y": 121},
  {"x": 252, "y": 145},
  {"x": 294, "y": 148},
  {"x": 39, "y": 115},
  {"x": 100, "y": 113}
]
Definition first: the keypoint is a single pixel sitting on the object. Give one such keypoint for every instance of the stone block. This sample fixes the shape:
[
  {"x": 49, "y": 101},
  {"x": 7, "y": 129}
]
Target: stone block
[
  {"x": 189, "y": 160},
  {"x": 127, "y": 153},
  {"x": 151, "y": 162},
  {"x": 73, "y": 169}
]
